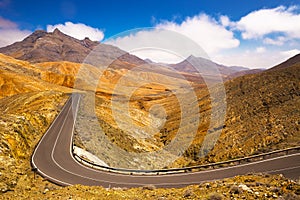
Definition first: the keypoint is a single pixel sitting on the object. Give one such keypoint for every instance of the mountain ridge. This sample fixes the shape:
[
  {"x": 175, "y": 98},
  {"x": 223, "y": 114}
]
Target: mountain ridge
[
  {"x": 289, "y": 62},
  {"x": 263, "y": 115},
  {"x": 204, "y": 66},
  {"x": 42, "y": 46}
]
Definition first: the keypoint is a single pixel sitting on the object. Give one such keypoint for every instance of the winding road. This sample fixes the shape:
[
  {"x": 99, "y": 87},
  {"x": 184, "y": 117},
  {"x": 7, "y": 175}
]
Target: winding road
[{"x": 53, "y": 160}]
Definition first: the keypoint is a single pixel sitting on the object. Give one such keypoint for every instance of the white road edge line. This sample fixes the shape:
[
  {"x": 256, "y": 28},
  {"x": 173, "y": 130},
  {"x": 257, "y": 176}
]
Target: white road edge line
[{"x": 35, "y": 150}]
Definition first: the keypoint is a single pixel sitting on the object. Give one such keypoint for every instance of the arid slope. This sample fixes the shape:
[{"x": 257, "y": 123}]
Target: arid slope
[
  {"x": 24, "y": 119},
  {"x": 262, "y": 115},
  {"x": 18, "y": 76},
  {"x": 263, "y": 112}
]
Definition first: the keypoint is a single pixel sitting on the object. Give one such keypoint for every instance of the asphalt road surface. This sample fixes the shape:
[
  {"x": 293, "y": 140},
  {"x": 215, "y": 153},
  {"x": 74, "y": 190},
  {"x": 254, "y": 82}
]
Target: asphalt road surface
[{"x": 53, "y": 160}]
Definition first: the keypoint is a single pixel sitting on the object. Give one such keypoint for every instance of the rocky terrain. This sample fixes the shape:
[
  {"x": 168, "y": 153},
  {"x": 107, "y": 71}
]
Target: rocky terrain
[
  {"x": 56, "y": 46},
  {"x": 18, "y": 76},
  {"x": 262, "y": 115},
  {"x": 22, "y": 125},
  {"x": 155, "y": 84},
  {"x": 42, "y": 46},
  {"x": 28, "y": 105},
  {"x": 24, "y": 119},
  {"x": 242, "y": 73},
  {"x": 252, "y": 186}
]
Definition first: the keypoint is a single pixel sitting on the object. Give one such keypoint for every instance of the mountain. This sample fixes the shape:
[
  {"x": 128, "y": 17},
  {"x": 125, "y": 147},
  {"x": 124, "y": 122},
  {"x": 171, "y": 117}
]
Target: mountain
[
  {"x": 42, "y": 46},
  {"x": 205, "y": 67},
  {"x": 256, "y": 103},
  {"x": 291, "y": 61},
  {"x": 243, "y": 72},
  {"x": 263, "y": 112}
]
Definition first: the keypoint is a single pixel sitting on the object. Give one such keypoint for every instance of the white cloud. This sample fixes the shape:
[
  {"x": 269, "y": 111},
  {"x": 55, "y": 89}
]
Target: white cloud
[
  {"x": 279, "y": 41},
  {"x": 10, "y": 32},
  {"x": 202, "y": 30},
  {"x": 157, "y": 44},
  {"x": 255, "y": 59},
  {"x": 290, "y": 53},
  {"x": 278, "y": 27},
  {"x": 225, "y": 21},
  {"x": 205, "y": 31},
  {"x": 266, "y": 21},
  {"x": 79, "y": 30},
  {"x": 164, "y": 56}
]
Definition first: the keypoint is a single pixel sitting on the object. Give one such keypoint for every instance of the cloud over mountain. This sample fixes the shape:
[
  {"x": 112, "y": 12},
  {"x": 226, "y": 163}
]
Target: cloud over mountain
[
  {"x": 206, "y": 32},
  {"x": 78, "y": 30}
]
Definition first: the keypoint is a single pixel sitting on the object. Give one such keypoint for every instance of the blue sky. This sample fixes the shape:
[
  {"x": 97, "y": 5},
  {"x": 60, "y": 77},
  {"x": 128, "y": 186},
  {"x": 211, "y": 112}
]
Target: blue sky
[{"x": 254, "y": 33}]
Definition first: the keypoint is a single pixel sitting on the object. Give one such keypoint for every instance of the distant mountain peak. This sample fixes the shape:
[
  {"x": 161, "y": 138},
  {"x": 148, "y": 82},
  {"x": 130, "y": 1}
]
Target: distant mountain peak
[
  {"x": 42, "y": 46},
  {"x": 204, "y": 66}
]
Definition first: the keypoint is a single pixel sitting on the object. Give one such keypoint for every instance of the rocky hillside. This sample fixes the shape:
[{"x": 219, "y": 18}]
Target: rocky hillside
[
  {"x": 18, "y": 76},
  {"x": 28, "y": 105},
  {"x": 17, "y": 181},
  {"x": 263, "y": 112},
  {"x": 243, "y": 73},
  {"x": 27, "y": 113},
  {"x": 262, "y": 115},
  {"x": 42, "y": 46},
  {"x": 245, "y": 95},
  {"x": 24, "y": 119}
]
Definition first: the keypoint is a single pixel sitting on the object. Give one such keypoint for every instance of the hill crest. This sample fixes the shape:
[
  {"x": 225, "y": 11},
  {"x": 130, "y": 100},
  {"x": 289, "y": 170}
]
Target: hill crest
[{"x": 42, "y": 46}]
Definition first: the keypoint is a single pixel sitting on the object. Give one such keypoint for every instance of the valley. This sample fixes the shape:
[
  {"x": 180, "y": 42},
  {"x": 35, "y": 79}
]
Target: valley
[{"x": 136, "y": 107}]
